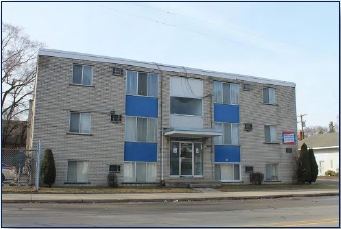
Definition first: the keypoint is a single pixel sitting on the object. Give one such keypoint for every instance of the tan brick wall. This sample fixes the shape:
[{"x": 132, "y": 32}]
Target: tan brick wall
[{"x": 56, "y": 97}]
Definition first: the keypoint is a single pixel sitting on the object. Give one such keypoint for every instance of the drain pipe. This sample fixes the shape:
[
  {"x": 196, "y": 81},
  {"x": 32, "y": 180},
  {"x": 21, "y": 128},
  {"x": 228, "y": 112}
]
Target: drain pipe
[{"x": 162, "y": 155}]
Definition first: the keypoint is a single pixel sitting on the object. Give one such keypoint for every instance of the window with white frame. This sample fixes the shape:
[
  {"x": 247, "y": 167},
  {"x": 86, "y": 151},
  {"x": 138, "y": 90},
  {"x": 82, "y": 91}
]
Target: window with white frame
[
  {"x": 230, "y": 133},
  {"x": 82, "y": 75},
  {"x": 227, "y": 172},
  {"x": 78, "y": 171},
  {"x": 140, "y": 83},
  {"x": 185, "y": 106},
  {"x": 269, "y": 95},
  {"x": 271, "y": 173},
  {"x": 140, "y": 129},
  {"x": 140, "y": 172},
  {"x": 270, "y": 134},
  {"x": 226, "y": 93},
  {"x": 80, "y": 122}
]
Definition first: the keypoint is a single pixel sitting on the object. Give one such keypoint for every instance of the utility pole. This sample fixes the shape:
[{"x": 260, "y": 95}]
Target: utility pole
[{"x": 302, "y": 124}]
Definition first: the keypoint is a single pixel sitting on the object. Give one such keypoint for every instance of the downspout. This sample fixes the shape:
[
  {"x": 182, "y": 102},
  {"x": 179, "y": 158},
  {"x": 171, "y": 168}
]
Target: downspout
[{"x": 161, "y": 119}]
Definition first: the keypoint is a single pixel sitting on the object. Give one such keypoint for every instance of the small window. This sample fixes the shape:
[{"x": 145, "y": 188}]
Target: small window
[
  {"x": 82, "y": 75},
  {"x": 331, "y": 163},
  {"x": 140, "y": 83},
  {"x": 230, "y": 134},
  {"x": 114, "y": 168},
  {"x": 270, "y": 134},
  {"x": 227, "y": 172},
  {"x": 271, "y": 172},
  {"x": 80, "y": 122},
  {"x": 117, "y": 71},
  {"x": 269, "y": 95},
  {"x": 248, "y": 169},
  {"x": 78, "y": 171},
  {"x": 115, "y": 118},
  {"x": 226, "y": 93}
]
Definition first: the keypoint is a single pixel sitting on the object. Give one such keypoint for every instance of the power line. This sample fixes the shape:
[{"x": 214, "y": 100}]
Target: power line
[
  {"x": 220, "y": 25},
  {"x": 194, "y": 31}
]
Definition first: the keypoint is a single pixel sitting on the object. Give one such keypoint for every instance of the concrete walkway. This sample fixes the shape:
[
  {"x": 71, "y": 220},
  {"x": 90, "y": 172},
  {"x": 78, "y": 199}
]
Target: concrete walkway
[{"x": 161, "y": 197}]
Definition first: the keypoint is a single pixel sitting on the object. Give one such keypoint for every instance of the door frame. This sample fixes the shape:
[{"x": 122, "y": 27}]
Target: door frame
[{"x": 192, "y": 142}]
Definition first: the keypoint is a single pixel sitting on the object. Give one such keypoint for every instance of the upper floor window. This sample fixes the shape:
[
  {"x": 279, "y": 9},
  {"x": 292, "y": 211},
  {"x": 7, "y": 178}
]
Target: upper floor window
[
  {"x": 269, "y": 95},
  {"x": 230, "y": 134},
  {"x": 270, "y": 134},
  {"x": 226, "y": 93},
  {"x": 185, "y": 106},
  {"x": 80, "y": 122},
  {"x": 140, "y": 83},
  {"x": 82, "y": 75},
  {"x": 140, "y": 129}
]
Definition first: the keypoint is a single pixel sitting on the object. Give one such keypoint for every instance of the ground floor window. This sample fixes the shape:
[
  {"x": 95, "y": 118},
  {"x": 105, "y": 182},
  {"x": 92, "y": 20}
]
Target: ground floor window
[
  {"x": 140, "y": 172},
  {"x": 271, "y": 172},
  {"x": 227, "y": 172},
  {"x": 78, "y": 171}
]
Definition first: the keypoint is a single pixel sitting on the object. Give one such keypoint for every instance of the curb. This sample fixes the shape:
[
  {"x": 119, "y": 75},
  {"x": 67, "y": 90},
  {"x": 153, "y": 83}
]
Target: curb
[{"x": 170, "y": 200}]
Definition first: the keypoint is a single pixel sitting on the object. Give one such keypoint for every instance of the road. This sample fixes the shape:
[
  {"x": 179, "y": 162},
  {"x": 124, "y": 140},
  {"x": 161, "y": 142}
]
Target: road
[{"x": 286, "y": 212}]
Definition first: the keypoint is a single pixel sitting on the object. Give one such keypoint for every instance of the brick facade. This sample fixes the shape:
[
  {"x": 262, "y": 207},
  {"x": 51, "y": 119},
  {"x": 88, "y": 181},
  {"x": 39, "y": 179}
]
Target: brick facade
[{"x": 55, "y": 97}]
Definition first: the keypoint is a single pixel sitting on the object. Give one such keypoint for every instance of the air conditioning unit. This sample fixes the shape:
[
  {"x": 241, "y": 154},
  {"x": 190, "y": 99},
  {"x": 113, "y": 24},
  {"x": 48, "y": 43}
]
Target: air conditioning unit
[
  {"x": 117, "y": 71},
  {"x": 115, "y": 118},
  {"x": 248, "y": 127},
  {"x": 246, "y": 87}
]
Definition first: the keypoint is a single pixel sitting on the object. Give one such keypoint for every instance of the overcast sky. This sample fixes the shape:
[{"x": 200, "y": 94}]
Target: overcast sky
[{"x": 292, "y": 41}]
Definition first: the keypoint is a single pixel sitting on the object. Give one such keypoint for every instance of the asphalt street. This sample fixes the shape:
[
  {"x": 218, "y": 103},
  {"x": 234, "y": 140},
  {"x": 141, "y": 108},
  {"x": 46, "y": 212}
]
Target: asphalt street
[{"x": 285, "y": 212}]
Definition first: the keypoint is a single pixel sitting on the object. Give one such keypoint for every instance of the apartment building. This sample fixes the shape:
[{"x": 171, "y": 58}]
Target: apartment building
[{"x": 148, "y": 122}]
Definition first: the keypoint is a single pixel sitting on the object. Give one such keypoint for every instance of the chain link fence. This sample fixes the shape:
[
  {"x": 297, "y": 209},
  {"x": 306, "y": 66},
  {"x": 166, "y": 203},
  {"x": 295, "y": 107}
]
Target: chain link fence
[{"x": 18, "y": 167}]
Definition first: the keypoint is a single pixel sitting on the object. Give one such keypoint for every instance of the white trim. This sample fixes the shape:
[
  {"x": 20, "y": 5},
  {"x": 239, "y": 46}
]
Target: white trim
[
  {"x": 156, "y": 66},
  {"x": 193, "y": 132}
]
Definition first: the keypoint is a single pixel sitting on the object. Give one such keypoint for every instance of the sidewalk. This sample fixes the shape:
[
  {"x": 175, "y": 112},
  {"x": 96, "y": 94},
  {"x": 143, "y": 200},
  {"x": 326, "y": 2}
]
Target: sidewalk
[{"x": 161, "y": 197}]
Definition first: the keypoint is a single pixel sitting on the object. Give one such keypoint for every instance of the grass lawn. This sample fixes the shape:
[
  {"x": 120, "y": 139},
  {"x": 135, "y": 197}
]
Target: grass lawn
[
  {"x": 95, "y": 190},
  {"x": 328, "y": 178}
]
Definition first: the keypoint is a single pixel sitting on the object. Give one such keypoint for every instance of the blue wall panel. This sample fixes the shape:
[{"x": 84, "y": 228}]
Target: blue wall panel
[
  {"x": 140, "y": 151},
  {"x": 141, "y": 106},
  {"x": 231, "y": 153},
  {"x": 226, "y": 113}
]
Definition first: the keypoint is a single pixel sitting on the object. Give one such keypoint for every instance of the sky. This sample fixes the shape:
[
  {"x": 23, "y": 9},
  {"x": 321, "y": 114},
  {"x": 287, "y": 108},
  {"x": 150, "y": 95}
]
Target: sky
[{"x": 290, "y": 41}]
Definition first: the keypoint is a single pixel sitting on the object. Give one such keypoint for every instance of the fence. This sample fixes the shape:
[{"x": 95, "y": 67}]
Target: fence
[{"x": 24, "y": 162}]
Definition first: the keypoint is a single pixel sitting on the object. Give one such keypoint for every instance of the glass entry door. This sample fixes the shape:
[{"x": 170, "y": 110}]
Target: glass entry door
[{"x": 186, "y": 159}]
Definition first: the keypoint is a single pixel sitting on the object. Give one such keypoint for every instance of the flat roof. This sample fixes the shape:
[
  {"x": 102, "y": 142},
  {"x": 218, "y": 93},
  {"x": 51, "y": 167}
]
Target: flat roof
[{"x": 158, "y": 66}]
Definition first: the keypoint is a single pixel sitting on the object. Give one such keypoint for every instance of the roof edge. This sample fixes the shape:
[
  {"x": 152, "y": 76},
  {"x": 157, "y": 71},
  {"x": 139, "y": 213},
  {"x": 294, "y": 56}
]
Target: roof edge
[{"x": 156, "y": 66}]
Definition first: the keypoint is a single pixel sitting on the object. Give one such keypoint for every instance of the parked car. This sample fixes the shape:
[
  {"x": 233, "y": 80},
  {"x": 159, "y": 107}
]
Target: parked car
[{"x": 8, "y": 172}]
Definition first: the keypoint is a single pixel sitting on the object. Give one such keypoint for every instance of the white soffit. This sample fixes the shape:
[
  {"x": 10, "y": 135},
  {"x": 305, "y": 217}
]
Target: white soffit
[{"x": 163, "y": 67}]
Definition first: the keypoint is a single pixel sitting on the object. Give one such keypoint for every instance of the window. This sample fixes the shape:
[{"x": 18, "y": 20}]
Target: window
[
  {"x": 248, "y": 169},
  {"x": 140, "y": 129},
  {"x": 227, "y": 172},
  {"x": 140, "y": 172},
  {"x": 271, "y": 172},
  {"x": 80, "y": 122},
  {"x": 140, "y": 83},
  {"x": 78, "y": 171},
  {"x": 331, "y": 163},
  {"x": 270, "y": 134},
  {"x": 82, "y": 75},
  {"x": 269, "y": 95},
  {"x": 226, "y": 93},
  {"x": 230, "y": 134},
  {"x": 185, "y": 106},
  {"x": 114, "y": 168}
]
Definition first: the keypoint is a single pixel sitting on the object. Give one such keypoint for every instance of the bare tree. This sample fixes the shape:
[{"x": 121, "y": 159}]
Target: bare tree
[
  {"x": 314, "y": 130},
  {"x": 18, "y": 62}
]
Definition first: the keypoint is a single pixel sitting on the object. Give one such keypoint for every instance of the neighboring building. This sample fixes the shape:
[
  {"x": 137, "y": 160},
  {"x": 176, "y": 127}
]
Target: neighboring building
[
  {"x": 326, "y": 151},
  {"x": 149, "y": 122}
]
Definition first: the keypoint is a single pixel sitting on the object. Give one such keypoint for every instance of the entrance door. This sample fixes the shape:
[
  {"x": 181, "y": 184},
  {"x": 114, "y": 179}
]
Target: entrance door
[{"x": 186, "y": 159}]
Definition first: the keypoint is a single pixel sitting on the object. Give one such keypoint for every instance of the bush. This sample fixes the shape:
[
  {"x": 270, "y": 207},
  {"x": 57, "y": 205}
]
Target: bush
[
  {"x": 304, "y": 166},
  {"x": 313, "y": 166},
  {"x": 162, "y": 183},
  {"x": 256, "y": 178},
  {"x": 112, "y": 180},
  {"x": 331, "y": 173},
  {"x": 48, "y": 168}
]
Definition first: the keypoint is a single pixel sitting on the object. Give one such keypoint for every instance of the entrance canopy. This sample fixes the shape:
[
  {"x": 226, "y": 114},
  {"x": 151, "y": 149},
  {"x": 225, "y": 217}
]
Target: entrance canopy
[{"x": 182, "y": 132}]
